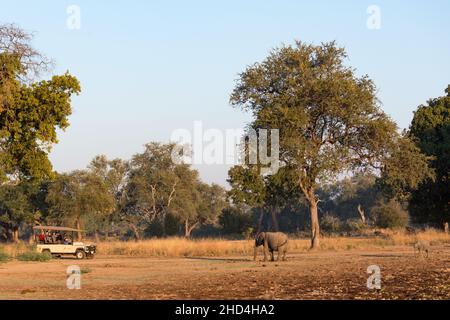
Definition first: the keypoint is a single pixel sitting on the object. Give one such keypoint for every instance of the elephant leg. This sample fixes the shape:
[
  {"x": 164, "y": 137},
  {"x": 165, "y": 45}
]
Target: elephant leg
[
  {"x": 272, "y": 256},
  {"x": 265, "y": 254},
  {"x": 280, "y": 252}
]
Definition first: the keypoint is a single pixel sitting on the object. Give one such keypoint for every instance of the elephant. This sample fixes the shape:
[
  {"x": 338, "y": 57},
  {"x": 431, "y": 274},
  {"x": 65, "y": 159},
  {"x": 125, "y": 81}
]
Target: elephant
[{"x": 272, "y": 241}]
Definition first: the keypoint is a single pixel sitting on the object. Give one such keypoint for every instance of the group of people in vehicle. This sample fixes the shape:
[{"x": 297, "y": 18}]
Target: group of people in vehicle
[{"x": 54, "y": 238}]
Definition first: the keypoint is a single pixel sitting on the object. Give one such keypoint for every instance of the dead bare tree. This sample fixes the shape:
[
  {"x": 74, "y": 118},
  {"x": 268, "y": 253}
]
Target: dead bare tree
[
  {"x": 17, "y": 42},
  {"x": 362, "y": 214}
]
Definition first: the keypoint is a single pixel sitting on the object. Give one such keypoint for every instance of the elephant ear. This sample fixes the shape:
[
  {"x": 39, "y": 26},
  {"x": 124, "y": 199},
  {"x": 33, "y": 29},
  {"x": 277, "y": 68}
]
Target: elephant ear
[{"x": 260, "y": 237}]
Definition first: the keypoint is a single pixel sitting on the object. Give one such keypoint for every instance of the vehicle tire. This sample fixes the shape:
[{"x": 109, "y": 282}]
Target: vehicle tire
[{"x": 80, "y": 254}]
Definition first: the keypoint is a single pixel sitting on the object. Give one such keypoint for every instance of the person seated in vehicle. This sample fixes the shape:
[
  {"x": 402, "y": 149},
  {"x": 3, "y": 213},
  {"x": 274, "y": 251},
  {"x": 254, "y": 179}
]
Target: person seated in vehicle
[
  {"x": 42, "y": 237},
  {"x": 59, "y": 238},
  {"x": 48, "y": 238},
  {"x": 67, "y": 240}
]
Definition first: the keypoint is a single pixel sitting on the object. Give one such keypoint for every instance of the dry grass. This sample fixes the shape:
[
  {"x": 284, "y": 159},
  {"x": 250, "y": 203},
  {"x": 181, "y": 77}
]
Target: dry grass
[
  {"x": 177, "y": 247},
  {"x": 181, "y": 247},
  {"x": 15, "y": 250}
]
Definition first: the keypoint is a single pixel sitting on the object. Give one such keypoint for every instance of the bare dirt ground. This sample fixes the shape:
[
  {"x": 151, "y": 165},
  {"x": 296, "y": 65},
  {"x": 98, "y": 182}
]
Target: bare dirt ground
[{"x": 317, "y": 275}]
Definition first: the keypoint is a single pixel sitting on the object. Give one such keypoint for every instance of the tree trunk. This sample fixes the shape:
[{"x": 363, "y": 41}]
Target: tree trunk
[
  {"x": 163, "y": 224},
  {"x": 97, "y": 238},
  {"x": 31, "y": 238},
  {"x": 361, "y": 214},
  {"x": 275, "y": 225},
  {"x": 446, "y": 227},
  {"x": 315, "y": 229},
  {"x": 261, "y": 217},
  {"x": 79, "y": 237},
  {"x": 15, "y": 234},
  {"x": 136, "y": 233},
  {"x": 188, "y": 229}
]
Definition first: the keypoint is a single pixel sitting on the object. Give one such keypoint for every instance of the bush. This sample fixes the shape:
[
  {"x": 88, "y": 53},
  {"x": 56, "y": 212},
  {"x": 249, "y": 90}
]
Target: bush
[
  {"x": 331, "y": 224},
  {"x": 34, "y": 256},
  {"x": 355, "y": 225},
  {"x": 4, "y": 257},
  {"x": 235, "y": 220},
  {"x": 389, "y": 215}
]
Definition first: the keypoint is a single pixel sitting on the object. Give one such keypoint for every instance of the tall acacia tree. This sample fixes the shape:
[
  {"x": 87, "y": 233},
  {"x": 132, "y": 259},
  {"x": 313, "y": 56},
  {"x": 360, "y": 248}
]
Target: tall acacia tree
[{"x": 329, "y": 119}]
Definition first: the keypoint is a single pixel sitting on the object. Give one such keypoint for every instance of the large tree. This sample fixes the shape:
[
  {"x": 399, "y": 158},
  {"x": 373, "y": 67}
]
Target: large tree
[
  {"x": 268, "y": 194},
  {"x": 431, "y": 129},
  {"x": 30, "y": 111},
  {"x": 329, "y": 119},
  {"x": 152, "y": 185},
  {"x": 78, "y": 197},
  {"x": 114, "y": 173}
]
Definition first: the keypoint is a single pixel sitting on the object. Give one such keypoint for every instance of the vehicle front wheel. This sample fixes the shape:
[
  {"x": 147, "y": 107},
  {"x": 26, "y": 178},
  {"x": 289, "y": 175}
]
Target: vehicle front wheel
[{"x": 80, "y": 254}]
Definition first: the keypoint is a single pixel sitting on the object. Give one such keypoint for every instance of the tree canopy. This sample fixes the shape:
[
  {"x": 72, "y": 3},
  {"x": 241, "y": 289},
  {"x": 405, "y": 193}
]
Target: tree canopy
[
  {"x": 30, "y": 112},
  {"x": 329, "y": 119},
  {"x": 430, "y": 127}
]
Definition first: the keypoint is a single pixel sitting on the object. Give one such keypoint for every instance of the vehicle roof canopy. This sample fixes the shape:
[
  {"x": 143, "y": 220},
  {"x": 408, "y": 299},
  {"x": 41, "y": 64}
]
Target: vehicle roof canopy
[{"x": 51, "y": 228}]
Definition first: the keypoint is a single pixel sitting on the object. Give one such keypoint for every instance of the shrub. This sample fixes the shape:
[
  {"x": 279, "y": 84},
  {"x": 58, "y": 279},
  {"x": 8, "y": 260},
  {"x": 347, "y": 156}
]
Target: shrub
[
  {"x": 331, "y": 224},
  {"x": 4, "y": 257},
  {"x": 355, "y": 225},
  {"x": 248, "y": 233},
  {"x": 34, "y": 256},
  {"x": 389, "y": 215},
  {"x": 235, "y": 220}
]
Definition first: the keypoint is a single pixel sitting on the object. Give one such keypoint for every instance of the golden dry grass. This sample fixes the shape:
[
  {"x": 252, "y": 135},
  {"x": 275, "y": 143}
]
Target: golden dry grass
[
  {"x": 181, "y": 247},
  {"x": 14, "y": 250}
]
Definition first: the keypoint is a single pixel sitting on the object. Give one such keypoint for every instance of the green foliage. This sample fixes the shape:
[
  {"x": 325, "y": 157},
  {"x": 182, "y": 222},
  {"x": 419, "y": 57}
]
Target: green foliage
[
  {"x": 29, "y": 118},
  {"x": 113, "y": 173},
  {"x": 329, "y": 119},
  {"x": 343, "y": 197},
  {"x": 76, "y": 196},
  {"x": 355, "y": 225},
  {"x": 236, "y": 220},
  {"x": 431, "y": 129},
  {"x": 4, "y": 257},
  {"x": 20, "y": 204},
  {"x": 389, "y": 215},
  {"x": 31, "y": 113},
  {"x": 247, "y": 186},
  {"x": 404, "y": 170},
  {"x": 158, "y": 187},
  {"x": 331, "y": 224},
  {"x": 34, "y": 256}
]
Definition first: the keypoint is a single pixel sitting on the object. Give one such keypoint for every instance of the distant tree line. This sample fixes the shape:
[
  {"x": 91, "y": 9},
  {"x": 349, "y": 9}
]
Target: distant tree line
[{"x": 345, "y": 166}]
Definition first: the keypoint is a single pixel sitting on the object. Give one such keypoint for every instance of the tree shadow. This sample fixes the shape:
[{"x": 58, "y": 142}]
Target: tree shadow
[
  {"x": 220, "y": 259},
  {"x": 382, "y": 255}
]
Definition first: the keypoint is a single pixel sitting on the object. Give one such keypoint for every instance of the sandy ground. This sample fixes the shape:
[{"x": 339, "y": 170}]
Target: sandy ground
[{"x": 321, "y": 275}]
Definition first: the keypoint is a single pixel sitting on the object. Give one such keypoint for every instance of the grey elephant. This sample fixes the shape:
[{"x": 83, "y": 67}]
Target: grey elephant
[{"x": 272, "y": 241}]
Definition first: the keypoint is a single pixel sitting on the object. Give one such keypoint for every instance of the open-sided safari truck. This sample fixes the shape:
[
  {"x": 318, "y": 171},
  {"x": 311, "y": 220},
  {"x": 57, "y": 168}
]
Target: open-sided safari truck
[{"x": 58, "y": 241}]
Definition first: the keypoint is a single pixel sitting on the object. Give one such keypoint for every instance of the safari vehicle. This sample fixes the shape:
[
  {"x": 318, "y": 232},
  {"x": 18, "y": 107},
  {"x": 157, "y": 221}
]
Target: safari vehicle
[{"x": 58, "y": 241}]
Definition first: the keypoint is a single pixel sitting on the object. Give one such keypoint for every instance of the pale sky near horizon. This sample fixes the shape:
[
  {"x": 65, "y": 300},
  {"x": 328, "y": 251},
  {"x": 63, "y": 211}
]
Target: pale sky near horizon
[{"x": 148, "y": 68}]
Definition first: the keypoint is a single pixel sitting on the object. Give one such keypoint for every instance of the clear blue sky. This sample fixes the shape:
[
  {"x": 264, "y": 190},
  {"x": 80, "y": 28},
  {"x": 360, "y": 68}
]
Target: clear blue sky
[{"x": 150, "y": 67}]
